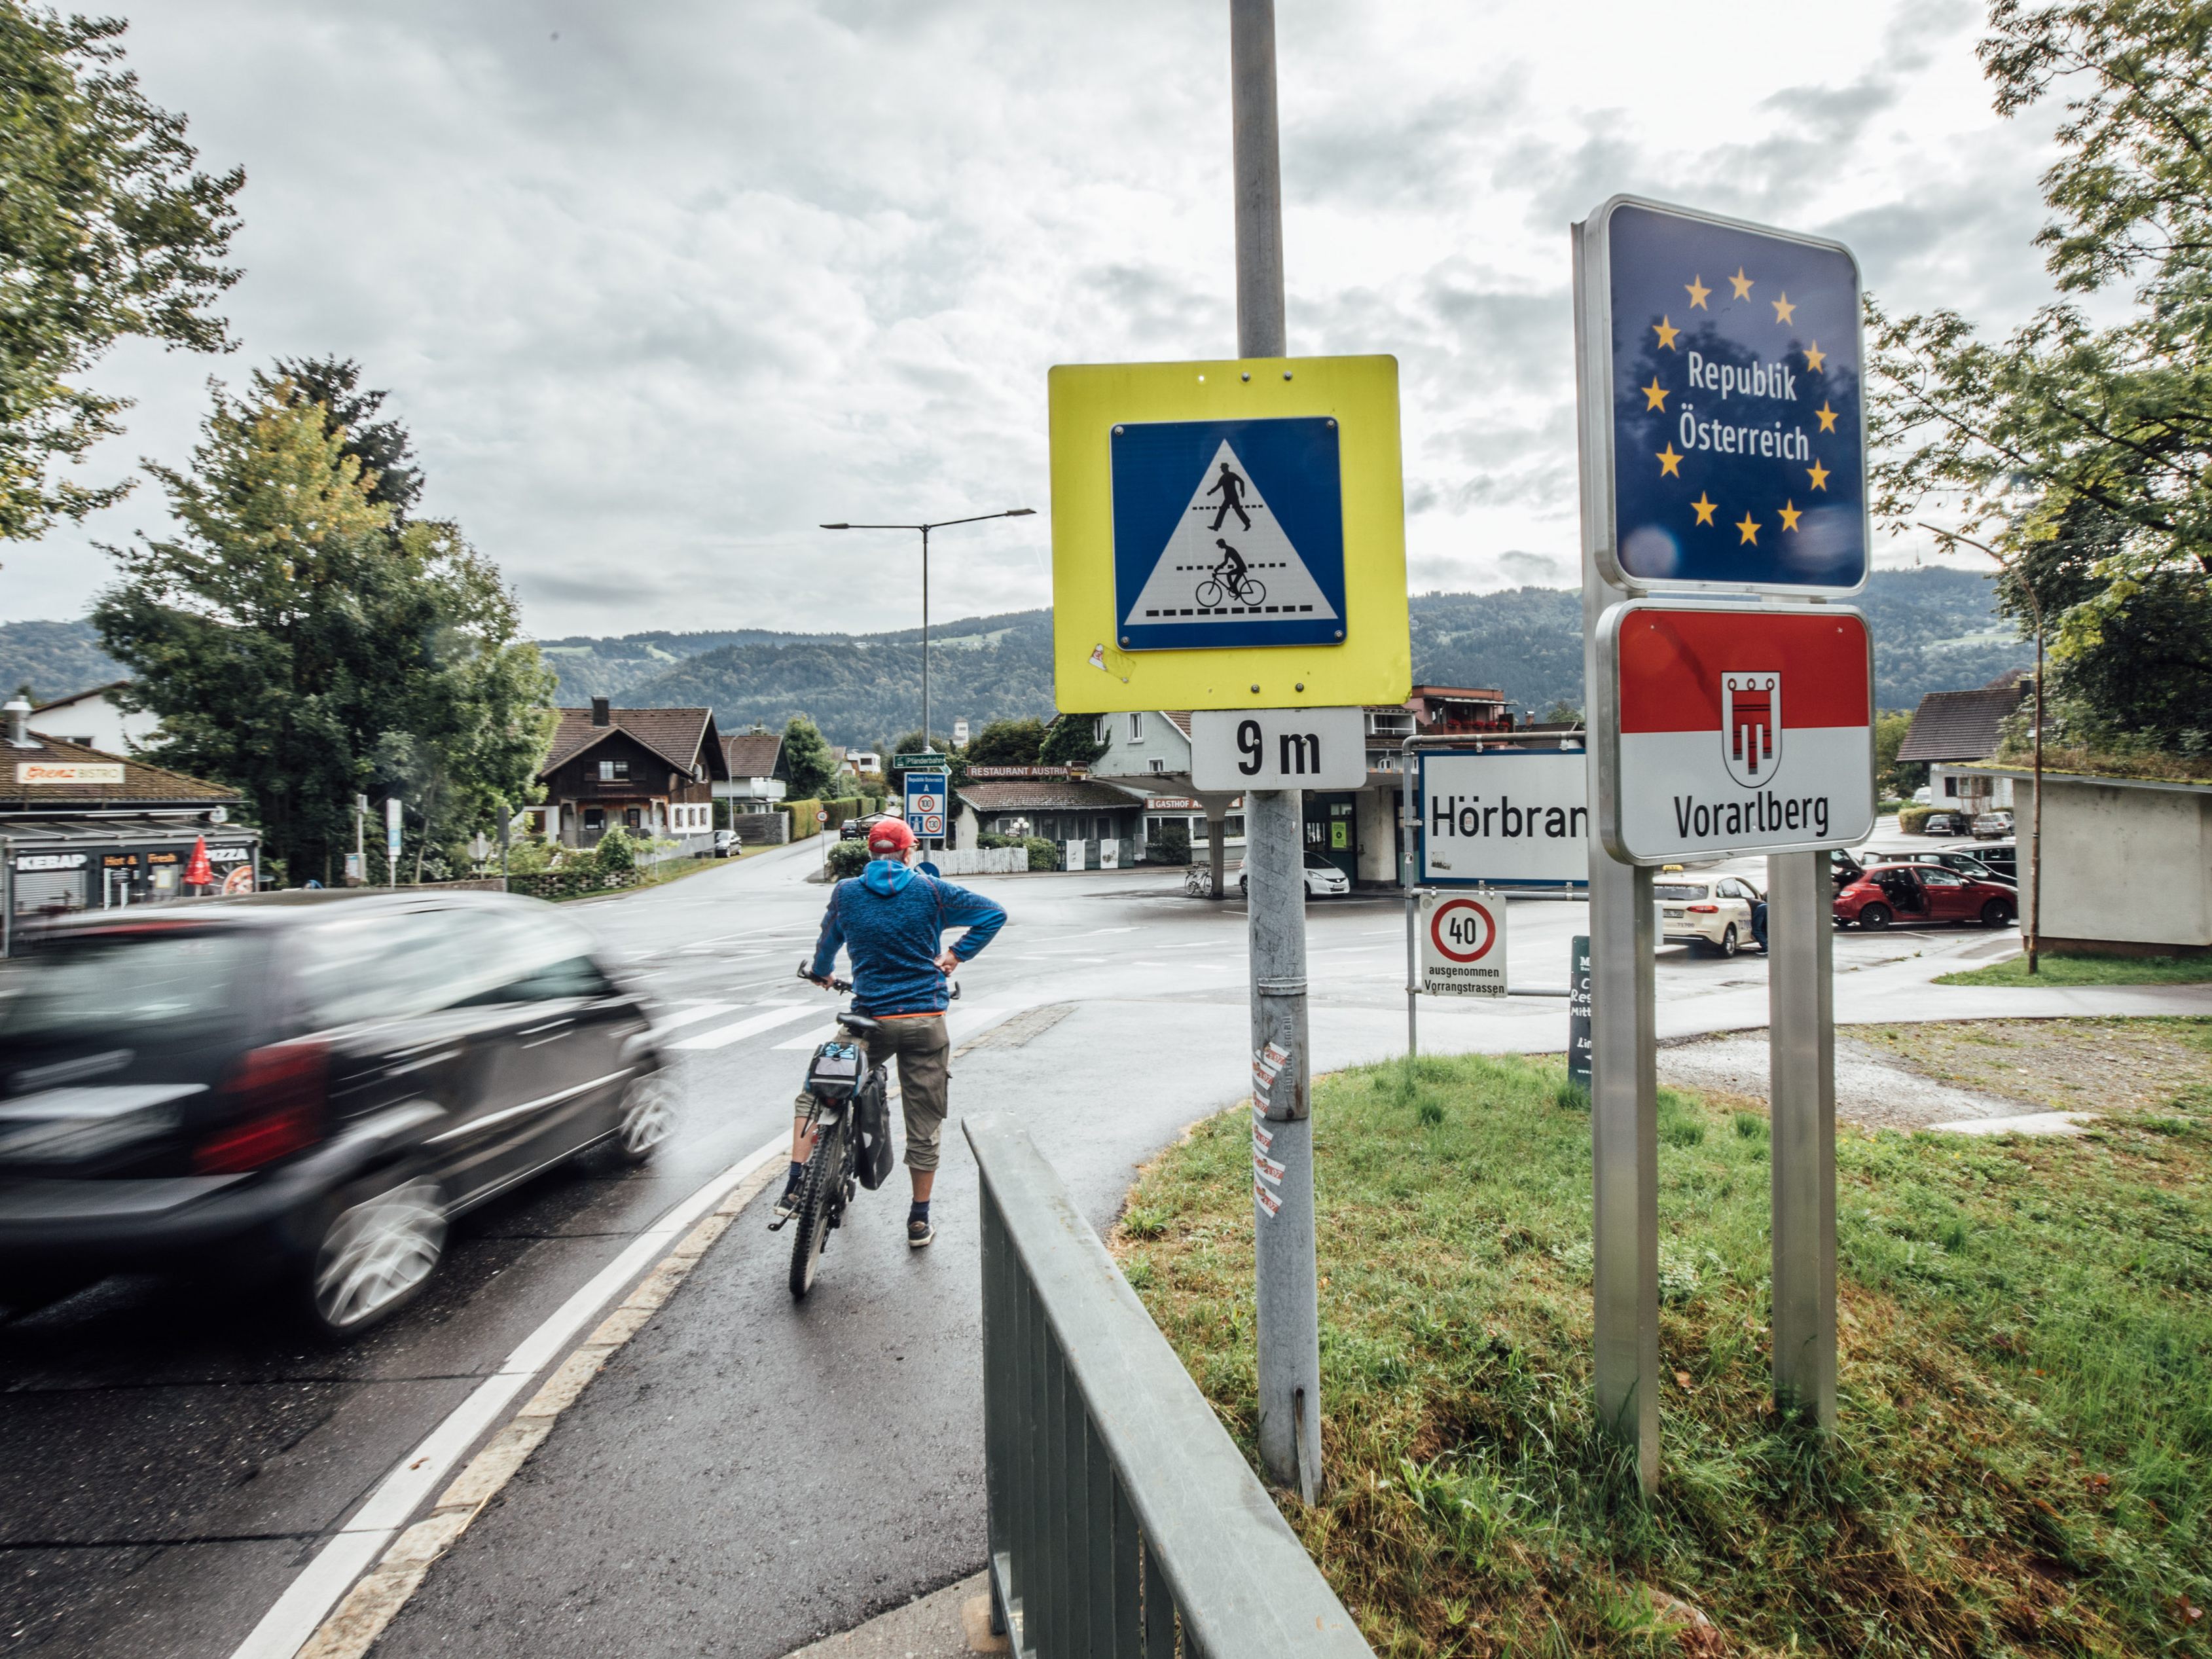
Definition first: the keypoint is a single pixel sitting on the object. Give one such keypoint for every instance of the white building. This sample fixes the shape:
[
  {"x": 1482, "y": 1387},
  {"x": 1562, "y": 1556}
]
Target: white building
[
  {"x": 95, "y": 720},
  {"x": 2126, "y": 863}
]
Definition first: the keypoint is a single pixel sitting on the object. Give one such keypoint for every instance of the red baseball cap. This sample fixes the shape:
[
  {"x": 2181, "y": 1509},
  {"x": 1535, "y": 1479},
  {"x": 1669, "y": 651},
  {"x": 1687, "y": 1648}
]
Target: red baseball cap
[{"x": 891, "y": 839}]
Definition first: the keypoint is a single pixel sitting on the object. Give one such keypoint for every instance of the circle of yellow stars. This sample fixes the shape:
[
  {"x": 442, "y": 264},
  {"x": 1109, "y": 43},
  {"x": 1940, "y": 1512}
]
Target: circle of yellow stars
[{"x": 1655, "y": 395}]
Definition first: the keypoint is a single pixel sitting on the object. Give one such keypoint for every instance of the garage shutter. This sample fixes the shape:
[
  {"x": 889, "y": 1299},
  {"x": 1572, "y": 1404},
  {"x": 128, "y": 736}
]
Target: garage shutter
[{"x": 41, "y": 891}]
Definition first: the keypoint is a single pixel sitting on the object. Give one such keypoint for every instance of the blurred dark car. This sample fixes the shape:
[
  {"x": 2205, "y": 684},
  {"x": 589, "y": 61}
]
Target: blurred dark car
[
  {"x": 301, "y": 1089},
  {"x": 1947, "y": 823},
  {"x": 2001, "y": 856},
  {"x": 1971, "y": 865},
  {"x": 857, "y": 829},
  {"x": 1916, "y": 893}
]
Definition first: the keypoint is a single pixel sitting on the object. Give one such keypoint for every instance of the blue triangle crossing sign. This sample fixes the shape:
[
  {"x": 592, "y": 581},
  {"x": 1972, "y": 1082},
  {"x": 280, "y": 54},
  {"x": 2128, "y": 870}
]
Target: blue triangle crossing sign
[{"x": 1228, "y": 533}]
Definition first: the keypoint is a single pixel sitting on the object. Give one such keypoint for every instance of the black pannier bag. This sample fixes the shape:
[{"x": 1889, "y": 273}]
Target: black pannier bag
[{"x": 874, "y": 1131}]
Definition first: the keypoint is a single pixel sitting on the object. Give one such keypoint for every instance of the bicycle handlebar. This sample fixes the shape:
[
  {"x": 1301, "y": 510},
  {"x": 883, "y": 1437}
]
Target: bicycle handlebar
[{"x": 842, "y": 985}]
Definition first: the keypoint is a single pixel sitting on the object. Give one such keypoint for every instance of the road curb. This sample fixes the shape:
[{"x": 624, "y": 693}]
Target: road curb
[{"x": 377, "y": 1597}]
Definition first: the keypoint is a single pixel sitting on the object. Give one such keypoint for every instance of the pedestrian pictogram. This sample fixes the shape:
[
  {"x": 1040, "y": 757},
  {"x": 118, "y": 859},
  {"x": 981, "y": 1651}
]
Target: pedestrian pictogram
[
  {"x": 1250, "y": 548},
  {"x": 1463, "y": 945}
]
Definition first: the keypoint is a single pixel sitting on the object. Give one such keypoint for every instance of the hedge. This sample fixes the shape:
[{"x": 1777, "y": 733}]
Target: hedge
[
  {"x": 1910, "y": 818},
  {"x": 803, "y": 823}
]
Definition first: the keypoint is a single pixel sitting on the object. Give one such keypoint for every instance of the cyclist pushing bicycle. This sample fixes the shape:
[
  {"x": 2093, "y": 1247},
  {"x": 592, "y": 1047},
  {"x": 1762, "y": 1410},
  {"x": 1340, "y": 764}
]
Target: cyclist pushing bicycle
[{"x": 890, "y": 920}]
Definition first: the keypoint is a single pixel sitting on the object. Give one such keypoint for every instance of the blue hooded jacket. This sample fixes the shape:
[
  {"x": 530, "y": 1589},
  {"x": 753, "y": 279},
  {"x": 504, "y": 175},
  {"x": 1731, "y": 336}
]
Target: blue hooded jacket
[{"x": 889, "y": 921}]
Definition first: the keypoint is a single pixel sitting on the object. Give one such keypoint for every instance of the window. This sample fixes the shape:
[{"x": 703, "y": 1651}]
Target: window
[
  {"x": 1105, "y": 829},
  {"x": 630, "y": 818},
  {"x": 1950, "y": 787},
  {"x": 383, "y": 966},
  {"x": 1232, "y": 828},
  {"x": 1136, "y": 726},
  {"x": 595, "y": 820},
  {"x": 1159, "y": 763},
  {"x": 1102, "y": 730},
  {"x": 614, "y": 771},
  {"x": 1679, "y": 892}
]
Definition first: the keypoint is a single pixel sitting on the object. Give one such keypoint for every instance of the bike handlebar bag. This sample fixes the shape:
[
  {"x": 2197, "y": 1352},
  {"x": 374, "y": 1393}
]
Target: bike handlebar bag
[
  {"x": 834, "y": 1074},
  {"x": 872, "y": 1119}
]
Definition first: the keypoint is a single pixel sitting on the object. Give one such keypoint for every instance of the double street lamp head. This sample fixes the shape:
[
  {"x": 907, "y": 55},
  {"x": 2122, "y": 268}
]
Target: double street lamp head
[{"x": 1011, "y": 512}]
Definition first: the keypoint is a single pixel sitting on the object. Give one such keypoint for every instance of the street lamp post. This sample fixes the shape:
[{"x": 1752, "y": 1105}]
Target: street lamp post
[{"x": 941, "y": 524}]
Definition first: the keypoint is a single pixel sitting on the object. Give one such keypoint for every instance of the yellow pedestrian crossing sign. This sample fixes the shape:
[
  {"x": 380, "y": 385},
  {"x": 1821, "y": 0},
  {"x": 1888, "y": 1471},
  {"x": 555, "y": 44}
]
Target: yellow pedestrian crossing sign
[{"x": 1228, "y": 535}]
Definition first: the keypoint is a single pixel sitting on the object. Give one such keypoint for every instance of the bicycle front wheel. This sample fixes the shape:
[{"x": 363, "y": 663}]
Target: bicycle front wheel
[
  {"x": 1255, "y": 591},
  {"x": 818, "y": 1191}
]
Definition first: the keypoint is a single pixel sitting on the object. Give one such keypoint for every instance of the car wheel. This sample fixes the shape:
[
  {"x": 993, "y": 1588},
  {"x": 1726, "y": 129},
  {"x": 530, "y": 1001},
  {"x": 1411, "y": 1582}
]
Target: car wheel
[
  {"x": 1996, "y": 912},
  {"x": 1244, "y": 887},
  {"x": 1875, "y": 917},
  {"x": 648, "y": 1114},
  {"x": 374, "y": 1254},
  {"x": 1728, "y": 944}
]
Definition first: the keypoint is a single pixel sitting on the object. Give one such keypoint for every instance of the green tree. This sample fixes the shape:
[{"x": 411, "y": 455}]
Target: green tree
[
  {"x": 808, "y": 770},
  {"x": 1896, "y": 778},
  {"x": 299, "y": 648},
  {"x": 385, "y": 451},
  {"x": 1008, "y": 743},
  {"x": 107, "y": 231},
  {"x": 2075, "y": 452},
  {"x": 1072, "y": 741}
]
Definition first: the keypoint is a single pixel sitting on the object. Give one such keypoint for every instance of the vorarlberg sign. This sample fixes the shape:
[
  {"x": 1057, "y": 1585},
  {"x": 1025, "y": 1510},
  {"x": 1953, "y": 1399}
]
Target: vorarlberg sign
[{"x": 1734, "y": 729}]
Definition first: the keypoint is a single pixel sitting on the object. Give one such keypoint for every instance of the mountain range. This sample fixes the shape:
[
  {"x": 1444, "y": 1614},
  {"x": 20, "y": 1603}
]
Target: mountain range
[{"x": 1934, "y": 629}]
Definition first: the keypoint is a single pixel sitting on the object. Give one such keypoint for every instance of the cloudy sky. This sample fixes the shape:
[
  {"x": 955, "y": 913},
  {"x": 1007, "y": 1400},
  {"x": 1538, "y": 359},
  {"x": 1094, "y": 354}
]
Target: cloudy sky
[{"x": 658, "y": 286}]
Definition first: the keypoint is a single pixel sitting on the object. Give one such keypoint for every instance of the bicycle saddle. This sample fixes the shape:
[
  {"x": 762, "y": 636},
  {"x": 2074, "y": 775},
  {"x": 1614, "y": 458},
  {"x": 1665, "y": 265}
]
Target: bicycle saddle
[{"x": 859, "y": 1025}]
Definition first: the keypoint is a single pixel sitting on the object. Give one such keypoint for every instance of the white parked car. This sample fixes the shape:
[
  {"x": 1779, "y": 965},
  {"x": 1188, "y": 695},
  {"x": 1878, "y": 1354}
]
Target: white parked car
[
  {"x": 1924, "y": 796},
  {"x": 1323, "y": 879},
  {"x": 1706, "y": 913}
]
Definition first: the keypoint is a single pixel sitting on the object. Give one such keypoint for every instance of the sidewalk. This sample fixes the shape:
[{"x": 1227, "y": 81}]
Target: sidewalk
[{"x": 749, "y": 1476}]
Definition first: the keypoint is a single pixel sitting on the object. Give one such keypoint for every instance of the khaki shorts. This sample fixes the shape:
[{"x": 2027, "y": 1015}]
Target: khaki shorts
[{"x": 924, "y": 1053}]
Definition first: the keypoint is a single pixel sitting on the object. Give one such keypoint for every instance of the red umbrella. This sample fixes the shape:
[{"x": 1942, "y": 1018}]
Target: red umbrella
[{"x": 198, "y": 872}]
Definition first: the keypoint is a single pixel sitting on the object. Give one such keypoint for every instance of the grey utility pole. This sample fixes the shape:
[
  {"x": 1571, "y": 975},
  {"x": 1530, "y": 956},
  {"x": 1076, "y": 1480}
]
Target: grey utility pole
[
  {"x": 941, "y": 524},
  {"x": 1623, "y": 1061},
  {"x": 1801, "y": 1055},
  {"x": 1289, "y": 1325}
]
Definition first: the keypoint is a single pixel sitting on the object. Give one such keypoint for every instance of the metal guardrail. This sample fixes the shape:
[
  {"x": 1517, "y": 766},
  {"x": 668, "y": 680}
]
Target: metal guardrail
[{"x": 1122, "y": 1516}]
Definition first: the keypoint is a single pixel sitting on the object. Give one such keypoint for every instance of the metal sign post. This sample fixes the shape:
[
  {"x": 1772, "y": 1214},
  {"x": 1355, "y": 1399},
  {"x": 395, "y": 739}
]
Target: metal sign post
[{"x": 1724, "y": 452}]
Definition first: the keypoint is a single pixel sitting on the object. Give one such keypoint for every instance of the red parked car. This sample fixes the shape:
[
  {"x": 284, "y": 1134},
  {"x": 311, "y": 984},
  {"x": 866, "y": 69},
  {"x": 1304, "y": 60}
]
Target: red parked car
[{"x": 1918, "y": 893}]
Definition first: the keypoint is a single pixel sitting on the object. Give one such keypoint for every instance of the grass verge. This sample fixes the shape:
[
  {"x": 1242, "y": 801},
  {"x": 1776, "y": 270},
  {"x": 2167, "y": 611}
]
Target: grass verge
[
  {"x": 2026, "y": 1379},
  {"x": 2056, "y": 969}
]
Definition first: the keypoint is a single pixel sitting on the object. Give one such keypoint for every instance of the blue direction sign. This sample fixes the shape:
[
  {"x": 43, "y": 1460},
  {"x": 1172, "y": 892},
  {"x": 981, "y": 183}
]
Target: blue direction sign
[
  {"x": 1739, "y": 449},
  {"x": 926, "y": 803},
  {"x": 1228, "y": 533}
]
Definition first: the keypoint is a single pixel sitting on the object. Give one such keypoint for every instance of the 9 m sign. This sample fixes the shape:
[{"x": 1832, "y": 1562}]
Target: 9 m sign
[{"x": 1279, "y": 748}]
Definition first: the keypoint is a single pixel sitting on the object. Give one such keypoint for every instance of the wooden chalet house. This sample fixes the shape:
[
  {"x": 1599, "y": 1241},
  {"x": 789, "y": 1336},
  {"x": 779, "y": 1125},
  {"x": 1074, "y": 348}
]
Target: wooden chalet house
[{"x": 651, "y": 770}]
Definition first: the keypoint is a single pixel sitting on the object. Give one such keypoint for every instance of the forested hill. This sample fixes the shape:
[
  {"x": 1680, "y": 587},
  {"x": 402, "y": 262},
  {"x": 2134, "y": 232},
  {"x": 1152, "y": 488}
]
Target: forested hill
[{"x": 1935, "y": 630}]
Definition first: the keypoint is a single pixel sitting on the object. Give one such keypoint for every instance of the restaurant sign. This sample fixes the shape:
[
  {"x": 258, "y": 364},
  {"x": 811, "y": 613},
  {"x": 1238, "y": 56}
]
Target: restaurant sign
[{"x": 69, "y": 771}]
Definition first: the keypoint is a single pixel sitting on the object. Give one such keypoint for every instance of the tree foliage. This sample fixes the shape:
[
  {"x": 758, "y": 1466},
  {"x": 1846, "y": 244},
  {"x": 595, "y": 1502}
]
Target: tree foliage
[
  {"x": 384, "y": 449},
  {"x": 1071, "y": 741},
  {"x": 808, "y": 769},
  {"x": 107, "y": 231},
  {"x": 2082, "y": 453},
  {"x": 1008, "y": 743},
  {"x": 300, "y": 647}
]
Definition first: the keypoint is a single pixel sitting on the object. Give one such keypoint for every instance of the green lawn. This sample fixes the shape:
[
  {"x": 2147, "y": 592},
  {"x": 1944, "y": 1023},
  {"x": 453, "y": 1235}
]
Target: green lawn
[
  {"x": 2026, "y": 1444},
  {"x": 2053, "y": 969}
]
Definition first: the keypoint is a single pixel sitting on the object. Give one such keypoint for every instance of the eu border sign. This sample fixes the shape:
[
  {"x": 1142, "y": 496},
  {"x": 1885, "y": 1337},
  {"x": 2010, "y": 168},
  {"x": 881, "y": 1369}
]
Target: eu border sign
[
  {"x": 1734, "y": 729},
  {"x": 1228, "y": 535},
  {"x": 1735, "y": 445}
]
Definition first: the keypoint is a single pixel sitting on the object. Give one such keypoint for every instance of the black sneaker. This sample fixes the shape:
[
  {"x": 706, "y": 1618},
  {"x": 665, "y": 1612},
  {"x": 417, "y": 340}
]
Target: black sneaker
[
  {"x": 785, "y": 1207},
  {"x": 919, "y": 1235}
]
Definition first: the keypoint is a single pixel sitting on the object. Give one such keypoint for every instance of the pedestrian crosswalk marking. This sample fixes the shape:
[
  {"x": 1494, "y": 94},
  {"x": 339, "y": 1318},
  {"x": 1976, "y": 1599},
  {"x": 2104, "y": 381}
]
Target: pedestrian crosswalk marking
[
  {"x": 960, "y": 1022},
  {"x": 782, "y": 1014},
  {"x": 669, "y": 1021}
]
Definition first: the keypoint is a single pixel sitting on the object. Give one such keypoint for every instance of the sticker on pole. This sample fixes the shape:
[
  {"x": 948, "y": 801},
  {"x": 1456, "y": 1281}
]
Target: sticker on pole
[
  {"x": 1463, "y": 945},
  {"x": 1228, "y": 533},
  {"x": 1736, "y": 729}
]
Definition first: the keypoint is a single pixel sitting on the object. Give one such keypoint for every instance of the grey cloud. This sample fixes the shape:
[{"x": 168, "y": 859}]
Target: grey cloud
[{"x": 1535, "y": 569}]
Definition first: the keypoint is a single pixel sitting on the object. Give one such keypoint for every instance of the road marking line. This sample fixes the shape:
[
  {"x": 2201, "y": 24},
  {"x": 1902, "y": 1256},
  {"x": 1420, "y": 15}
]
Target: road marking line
[
  {"x": 782, "y": 1015},
  {"x": 301, "y": 1625},
  {"x": 959, "y": 1021},
  {"x": 693, "y": 1016}
]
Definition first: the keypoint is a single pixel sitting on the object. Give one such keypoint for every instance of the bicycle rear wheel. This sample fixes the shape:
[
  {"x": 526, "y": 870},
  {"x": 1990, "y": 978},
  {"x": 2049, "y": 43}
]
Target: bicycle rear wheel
[
  {"x": 818, "y": 1192},
  {"x": 1209, "y": 593}
]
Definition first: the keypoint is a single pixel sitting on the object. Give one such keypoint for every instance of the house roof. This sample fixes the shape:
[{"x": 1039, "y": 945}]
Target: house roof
[
  {"x": 753, "y": 754},
  {"x": 1178, "y": 718},
  {"x": 1046, "y": 795},
  {"x": 676, "y": 735},
  {"x": 1963, "y": 725},
  {"x": 142, "y": 785},
  {"x": 79, "y": 697}
]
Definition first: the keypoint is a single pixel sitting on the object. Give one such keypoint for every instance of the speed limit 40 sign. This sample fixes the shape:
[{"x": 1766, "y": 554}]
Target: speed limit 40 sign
[{"x": 1463, "y": 945}]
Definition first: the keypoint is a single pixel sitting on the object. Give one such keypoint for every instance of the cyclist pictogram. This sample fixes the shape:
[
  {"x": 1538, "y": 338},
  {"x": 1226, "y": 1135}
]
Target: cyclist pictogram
[{"x": 1231, "y": 579}]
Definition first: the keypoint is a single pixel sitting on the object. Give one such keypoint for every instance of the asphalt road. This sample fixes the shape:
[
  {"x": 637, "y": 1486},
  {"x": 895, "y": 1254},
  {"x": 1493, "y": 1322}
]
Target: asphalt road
[{"x": 746, "y": 1474}]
